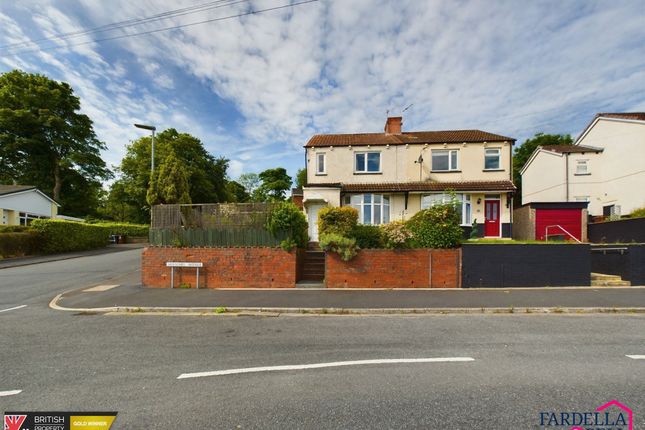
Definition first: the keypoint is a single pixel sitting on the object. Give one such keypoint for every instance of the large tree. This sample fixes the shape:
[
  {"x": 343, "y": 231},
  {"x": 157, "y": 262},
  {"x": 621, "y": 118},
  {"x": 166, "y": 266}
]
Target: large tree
[
  {"x": 46, "y": 142},
  {"x": 169, "y": 183},
  {"x": 250, "y": 182},
  {"x": 206, "y": 174},
  {"x": 524, "y": 151},
  {"x": 274, "y": 184},
  {"x": 301, "y": 178}
]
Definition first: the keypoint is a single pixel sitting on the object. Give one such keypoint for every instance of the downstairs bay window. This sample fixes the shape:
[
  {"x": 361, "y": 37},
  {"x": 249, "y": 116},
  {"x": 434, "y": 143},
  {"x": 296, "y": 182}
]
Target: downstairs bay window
[
  {"x": 462, "y": 204},
  {"x": 372, "y": 208}
]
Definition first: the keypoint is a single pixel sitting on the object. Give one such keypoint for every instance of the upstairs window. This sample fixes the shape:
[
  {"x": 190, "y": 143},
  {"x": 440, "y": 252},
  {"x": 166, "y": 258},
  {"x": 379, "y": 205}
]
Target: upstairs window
[
  {"x": 492, "y": 159},
  {"x": 320, "y": 163},
  {"x": 582, "y": 167},
  {"x": 367, "y": 162},
  {"x": 444, "y": 160}
]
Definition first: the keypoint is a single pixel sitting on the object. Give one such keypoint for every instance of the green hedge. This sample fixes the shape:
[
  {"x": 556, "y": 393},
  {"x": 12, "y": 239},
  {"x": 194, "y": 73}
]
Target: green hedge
[
  {"x": 64, "y": 236},
  {"x": 436, "y": 227},
  {"x": 13, "y": 228},
  {"x": 19, "y": 244},
  {"x": 124, "y": 229}
]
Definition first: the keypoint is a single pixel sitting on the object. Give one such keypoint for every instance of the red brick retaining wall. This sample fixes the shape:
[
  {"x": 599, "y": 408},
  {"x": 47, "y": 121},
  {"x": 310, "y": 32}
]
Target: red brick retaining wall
[
  {"x": 223, "y": 267},
  {"x": 405, "y": 268}
]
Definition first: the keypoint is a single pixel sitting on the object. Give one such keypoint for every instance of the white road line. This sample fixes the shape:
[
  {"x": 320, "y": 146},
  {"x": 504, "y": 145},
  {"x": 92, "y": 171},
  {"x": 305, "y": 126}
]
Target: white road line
[
  {"x": 99, "y": 288},
  {"x": 323, "y": 365},
  {"x": 9, "y": 393},
  {"x": 636, "y": 357},
  {"x": 14, "y": 308}
]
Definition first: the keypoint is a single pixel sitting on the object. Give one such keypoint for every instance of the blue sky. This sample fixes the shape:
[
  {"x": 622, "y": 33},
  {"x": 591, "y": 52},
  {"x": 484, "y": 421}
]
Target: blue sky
[{"x": 255, "y": 89}]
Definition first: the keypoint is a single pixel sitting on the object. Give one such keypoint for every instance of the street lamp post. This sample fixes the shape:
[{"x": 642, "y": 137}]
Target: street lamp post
[{"x": 152, "y": 158}]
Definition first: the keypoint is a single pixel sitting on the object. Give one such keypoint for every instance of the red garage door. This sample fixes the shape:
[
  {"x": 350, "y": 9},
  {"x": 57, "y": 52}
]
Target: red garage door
[{"x": 567, "y": 219}]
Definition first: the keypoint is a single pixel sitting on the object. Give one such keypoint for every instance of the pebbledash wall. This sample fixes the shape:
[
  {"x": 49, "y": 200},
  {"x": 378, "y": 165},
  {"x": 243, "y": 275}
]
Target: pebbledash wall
[
  {"x": 405, "y": 268},
  {"x": 223, "y": 267}
]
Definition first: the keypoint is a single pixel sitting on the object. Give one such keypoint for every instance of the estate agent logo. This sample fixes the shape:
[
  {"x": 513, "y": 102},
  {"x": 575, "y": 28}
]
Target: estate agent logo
[
  {"x": 14, "y": 422},
  {"x": 610, "y": 416}
]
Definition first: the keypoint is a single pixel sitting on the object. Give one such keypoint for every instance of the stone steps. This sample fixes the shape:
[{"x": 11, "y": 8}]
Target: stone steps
[{"x": 603, "y": 280}]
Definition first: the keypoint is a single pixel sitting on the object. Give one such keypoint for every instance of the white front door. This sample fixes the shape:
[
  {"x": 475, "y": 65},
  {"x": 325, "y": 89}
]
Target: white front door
[{"x": 312, "y": 219}]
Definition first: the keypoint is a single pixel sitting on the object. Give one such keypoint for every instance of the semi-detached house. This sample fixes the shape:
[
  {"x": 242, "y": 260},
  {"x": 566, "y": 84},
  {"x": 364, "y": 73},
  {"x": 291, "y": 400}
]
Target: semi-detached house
[{"x": 393, "y": 175}]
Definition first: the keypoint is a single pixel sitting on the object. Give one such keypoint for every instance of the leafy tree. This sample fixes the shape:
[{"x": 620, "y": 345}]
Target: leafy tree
[
  {"x": 250, "y": 182},
  {"x": 206, "y": 174},
  {"x": 170, "y": 183},
  {"x": 46, "y": 142},
  {"x": 275, "y": 183},
  {"x": 237, "y": 192},
  {"x": 523, "y": 153},
  {"x": 301, "y": 178}
]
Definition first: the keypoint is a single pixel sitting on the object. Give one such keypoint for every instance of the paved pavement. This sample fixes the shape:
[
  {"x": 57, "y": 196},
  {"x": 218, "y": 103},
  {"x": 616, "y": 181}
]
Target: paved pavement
[{"x": 135, "y": 295}]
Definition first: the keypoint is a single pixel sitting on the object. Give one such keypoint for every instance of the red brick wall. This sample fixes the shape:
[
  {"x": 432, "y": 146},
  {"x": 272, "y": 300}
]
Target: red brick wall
[
  {"x": 407, "y": 268},
  {"x": 223, "y": 267}
]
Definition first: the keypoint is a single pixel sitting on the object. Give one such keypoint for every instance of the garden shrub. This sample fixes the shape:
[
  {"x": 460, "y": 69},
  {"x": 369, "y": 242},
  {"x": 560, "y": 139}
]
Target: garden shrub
[
  {"x": 13, "y": 228},
  {"x": 287, "y": 218},
  {"x": 638, "y": 213},
  {"x": 18, "y": 244},
  {"x": 345, "y": 247},
  {"x": 337, "y": 220},
  {"x": 396, "y": 235},
  {"x": 436, "y": 227},
  {"x": 368, "y": 236},
  {"x": 64, "y": 236}
]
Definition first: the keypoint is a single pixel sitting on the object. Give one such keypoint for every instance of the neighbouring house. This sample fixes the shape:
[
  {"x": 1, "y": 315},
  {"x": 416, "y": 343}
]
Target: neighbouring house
[
  {"x": 393, "y": 175},
  {"x": 605, "y": 167},
  {"x": 20, "y": 204}
]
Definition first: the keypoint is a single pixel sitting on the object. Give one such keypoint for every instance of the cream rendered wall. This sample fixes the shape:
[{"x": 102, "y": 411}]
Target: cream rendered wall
[
  {"x": 331, "y": 196},
  {"x": 398, "y": 164},
  {"x": 622, "y": 178},
  {"x": 544, "y": 179},
  {"x": 29, "y": 201},
  {"x": 586, "y": 185}
]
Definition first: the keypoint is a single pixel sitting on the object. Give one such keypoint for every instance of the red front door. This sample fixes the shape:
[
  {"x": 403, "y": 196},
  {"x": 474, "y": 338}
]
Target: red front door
[{"x": 491, "y": 229}]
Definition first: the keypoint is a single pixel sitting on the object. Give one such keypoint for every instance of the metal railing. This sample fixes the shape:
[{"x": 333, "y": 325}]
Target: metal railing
[{"x": 546, "y": 234}]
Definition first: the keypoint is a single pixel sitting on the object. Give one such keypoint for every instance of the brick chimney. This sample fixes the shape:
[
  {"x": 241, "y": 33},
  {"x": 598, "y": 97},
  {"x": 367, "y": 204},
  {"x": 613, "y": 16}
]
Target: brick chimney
[{"x": 393, "y": 125}]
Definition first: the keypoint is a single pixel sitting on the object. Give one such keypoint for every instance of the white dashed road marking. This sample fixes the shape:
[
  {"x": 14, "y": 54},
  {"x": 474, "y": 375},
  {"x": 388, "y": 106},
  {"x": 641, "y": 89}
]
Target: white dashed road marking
[
  {"x": 100, "y": 288},
  {"x": 9, "y": 393},
  {"x": 324, "y": 365},
  {"x": 636, "y": 357},
  {"x": 14, "y": 308}
]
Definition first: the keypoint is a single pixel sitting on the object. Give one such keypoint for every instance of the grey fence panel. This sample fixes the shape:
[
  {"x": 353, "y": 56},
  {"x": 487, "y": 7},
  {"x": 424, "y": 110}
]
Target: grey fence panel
[{"x": 215, "y": 237}]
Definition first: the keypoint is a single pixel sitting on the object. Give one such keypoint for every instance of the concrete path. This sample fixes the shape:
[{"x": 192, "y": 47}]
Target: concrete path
[{"x": 138, "y": 296}]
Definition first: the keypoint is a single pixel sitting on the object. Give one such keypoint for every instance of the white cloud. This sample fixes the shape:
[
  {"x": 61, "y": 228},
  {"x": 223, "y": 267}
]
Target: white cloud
[{"x": 513, "y": 68}]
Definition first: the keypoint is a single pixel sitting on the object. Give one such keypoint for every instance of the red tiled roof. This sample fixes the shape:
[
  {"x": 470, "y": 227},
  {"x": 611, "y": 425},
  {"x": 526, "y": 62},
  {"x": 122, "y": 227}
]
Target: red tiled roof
[
  {"x": 416, "y": 137},
  {"x": 568, "y": 149},
  {"x": 422, "y": 186},
  {"x": 624, "y": 115}
]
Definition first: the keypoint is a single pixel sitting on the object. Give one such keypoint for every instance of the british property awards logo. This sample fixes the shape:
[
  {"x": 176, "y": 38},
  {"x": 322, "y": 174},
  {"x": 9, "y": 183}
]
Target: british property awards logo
[
  {"x": 14, "y": 422},
  {"x": 610, "y": 416}
]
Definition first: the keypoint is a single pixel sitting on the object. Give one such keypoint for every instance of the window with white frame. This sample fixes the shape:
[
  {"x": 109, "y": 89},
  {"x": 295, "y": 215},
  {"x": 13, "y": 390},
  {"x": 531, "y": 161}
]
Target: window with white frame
[
  {"x": 582, "y": 167},
  {"x": 367, "y": 162},
  {"x": 444, "y": 160},
  {"x": 372, "y": 208},
  {"x": 462, "y": 204},
  {"x": 321, "y": 165},
  {"x": 492, "y": 159},
  {"x": 26, "y": 218}
]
